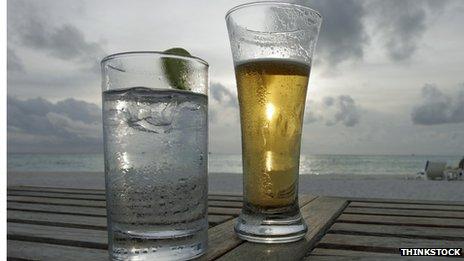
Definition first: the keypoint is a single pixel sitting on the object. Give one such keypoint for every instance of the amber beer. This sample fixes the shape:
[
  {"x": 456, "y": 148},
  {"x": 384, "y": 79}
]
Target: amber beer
[
  {"x": 271, "y": 94},
  {"x": 272, "y": 54}
]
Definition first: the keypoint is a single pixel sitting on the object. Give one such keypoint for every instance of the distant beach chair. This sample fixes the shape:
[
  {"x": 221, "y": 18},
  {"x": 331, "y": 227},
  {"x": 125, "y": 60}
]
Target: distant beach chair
[
  {"x": 455, "y": 173},
  {"x": 434, "y": 170}
]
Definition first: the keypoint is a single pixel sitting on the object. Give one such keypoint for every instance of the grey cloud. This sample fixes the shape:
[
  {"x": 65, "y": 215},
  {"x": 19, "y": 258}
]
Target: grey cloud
[
  {"x": 38, "y": 123},
  {"x": 14, "y": 63},
  {"x": 342, "y": 35},
  {"x": 74, "y": 127},
  {"x": 328, "y": 101},
  {"x": 28, "y": 26},
  {"x": 347, "y": 112},
  {"x": 311, "y": 112},
  {"x": 333, "y": 110},
  {"x": 87, "y": 112},
  {"x": 402, "y": 24},
  {"x": 438, "y": 107},
  {"x": 223, "y": 95},
  {"x": 437, "y": 6},
  {"x": 63, "y": 83},
  {"x": 223, "y": 99}
]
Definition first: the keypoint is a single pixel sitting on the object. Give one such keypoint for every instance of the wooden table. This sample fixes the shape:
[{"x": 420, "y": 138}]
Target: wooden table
[{"x": 47, "y": 223}]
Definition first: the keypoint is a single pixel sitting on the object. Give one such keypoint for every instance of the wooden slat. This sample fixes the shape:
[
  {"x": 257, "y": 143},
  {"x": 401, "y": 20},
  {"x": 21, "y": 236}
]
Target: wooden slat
[
  {"x": 438, "y": 233},
  {"x": 305, "y": 199},
  {"x": 407, "y": 201},
  {"x": 42, "y": 251},
  {"x": 406, "y": 206},
  {"x": 346, "y": 253},
  {"x": 319, "y": 215},
  {"x": 221, "y": 239},
  {"x": 412, "y": 221},
  {"x": 56, "y": 195},
  {"x": 228, "y": 204},
  {"x": 386, "y": 244},
  {"x": 44, "y": 208},
  {"x": 321, "y": 254},
  {"x": 88, "y": 238},
  {"x": 64, "y": 220},
  {"x": 224, "y": 211},
  {"x": 215, "y": 220},
  {"x": 336, "y": 258},
  {"x": 57, "y": 201},
  {"x": 221, "y": 193},
  {"x": 58, "y": 189},
  {"x": 405, "y": 212},
  {"x": 225, "y": 198}
]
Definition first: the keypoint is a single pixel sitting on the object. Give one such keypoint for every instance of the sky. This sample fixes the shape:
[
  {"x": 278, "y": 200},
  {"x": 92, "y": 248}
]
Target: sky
[{"x": 387, "y": 76}]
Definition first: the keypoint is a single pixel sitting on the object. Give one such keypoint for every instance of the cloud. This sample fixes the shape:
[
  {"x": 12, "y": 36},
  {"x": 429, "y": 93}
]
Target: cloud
[
  {"x": 439, "y": 108},
  {"x": 223, "y": 102},
  {"x": 14, "y": 63},
  {"x": 333, "y": 110},
  {"x": 68, "y": 125},
  {"x": 223, "y": 95},
  {"x": 402, "y": 24},
  {"x": 344, "y": 33},
  {"x": 342, "y": 36},
  {"x": 347, "y": 111},
  {"x": 87, "y": 112},
  {"x": 30, "y": 28}
]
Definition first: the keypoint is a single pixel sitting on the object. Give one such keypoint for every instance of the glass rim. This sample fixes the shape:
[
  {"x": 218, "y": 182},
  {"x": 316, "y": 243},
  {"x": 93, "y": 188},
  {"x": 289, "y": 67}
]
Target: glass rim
[
  {"x": 270, "y": 3},
  {"x": 155, "y": 53}
]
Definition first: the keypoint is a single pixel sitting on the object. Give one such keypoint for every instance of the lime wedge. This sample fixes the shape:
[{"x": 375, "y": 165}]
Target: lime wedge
[
  {"x": 178, "y": 51},
  {"x": 176, "y": 70}
]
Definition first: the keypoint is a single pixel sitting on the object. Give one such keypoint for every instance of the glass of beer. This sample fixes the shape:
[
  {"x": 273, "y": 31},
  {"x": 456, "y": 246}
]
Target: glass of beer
[{"x": 272, "y": 46}]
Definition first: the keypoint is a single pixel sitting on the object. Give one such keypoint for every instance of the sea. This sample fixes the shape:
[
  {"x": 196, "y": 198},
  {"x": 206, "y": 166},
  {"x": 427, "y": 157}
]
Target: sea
[{"x": 232, "y": 163}]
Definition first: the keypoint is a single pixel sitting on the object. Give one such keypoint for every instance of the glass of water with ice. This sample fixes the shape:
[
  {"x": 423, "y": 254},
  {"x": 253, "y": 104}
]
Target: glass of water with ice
[{"x": 155, "y": 126}]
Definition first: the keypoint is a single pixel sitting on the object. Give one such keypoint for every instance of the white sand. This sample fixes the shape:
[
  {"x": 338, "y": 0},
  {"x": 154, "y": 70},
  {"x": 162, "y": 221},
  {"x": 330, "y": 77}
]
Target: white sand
[{"x": 393, "y": 187}]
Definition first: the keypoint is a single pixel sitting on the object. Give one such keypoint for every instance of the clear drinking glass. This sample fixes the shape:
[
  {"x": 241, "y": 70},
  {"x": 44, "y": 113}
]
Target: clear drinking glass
[
  {"x": 272, "y": 46},
  {"x": 155, "y": 138}
]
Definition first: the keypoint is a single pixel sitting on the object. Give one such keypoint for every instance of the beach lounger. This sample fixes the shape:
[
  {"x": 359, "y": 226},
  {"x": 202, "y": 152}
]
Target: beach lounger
[
  {"x": 434, "y": 170},
  {"x": 455, "y": 173},
  {"x": 452, "y": 174}
]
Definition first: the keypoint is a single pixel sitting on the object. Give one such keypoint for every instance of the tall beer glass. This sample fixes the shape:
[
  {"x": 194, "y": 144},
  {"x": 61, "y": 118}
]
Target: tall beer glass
[{"x": 272, "y": 46}]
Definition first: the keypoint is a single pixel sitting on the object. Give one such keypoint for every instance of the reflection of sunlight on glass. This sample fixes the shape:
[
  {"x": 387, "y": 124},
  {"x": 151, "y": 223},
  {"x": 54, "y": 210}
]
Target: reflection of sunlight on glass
[
  {"x": 303, "y": 164},
  {"x": 124, "y": 161},
  {"x": 120, "y": 105},
  {"x": 270, "y": 109},
  {"x": 268, "y": 160}
]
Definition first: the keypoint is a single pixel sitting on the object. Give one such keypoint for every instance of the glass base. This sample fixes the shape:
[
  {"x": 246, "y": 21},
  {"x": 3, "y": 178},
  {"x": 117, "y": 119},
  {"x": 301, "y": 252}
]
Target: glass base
[
  {"x": 152, "y": 246},
  {"x": 270, "y": 228}
]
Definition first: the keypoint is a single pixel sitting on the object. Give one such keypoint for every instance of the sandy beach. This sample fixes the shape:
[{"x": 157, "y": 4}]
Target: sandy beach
[{"x": 393, "y": 187}]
